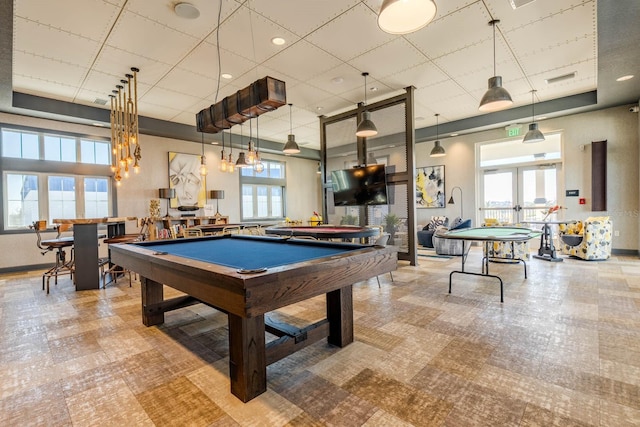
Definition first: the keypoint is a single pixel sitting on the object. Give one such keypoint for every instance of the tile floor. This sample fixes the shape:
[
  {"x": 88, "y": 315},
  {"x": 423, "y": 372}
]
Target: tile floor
[{"x": 563, "y": 350}]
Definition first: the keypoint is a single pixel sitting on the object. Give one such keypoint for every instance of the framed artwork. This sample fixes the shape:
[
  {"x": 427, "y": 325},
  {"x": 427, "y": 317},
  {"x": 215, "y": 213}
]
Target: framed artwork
[
  {"x": 430, "y": 187},
  {"x": 185, "y": 178}
]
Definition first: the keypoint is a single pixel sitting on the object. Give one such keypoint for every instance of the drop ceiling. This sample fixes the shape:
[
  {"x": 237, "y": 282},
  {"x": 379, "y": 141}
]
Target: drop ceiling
[{"x": 76, "y": 51}]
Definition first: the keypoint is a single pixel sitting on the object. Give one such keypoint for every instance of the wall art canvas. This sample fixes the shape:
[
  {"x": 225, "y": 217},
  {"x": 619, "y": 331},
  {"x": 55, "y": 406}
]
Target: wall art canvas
[
  {"x": 185, "y": 178},
  {"x": 430, "y": 187}
]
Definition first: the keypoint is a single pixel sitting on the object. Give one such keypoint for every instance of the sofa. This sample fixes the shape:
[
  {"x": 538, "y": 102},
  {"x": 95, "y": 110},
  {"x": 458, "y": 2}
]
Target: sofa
[
  {"x": 452, "y": 247},
  {"x": 589, "y": 239},
  {"x": 425, "y": 236}
]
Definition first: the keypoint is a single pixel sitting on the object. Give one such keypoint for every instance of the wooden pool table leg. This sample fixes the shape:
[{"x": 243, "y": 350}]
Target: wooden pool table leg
[
  {"x": 247, "y": 357},
  {"x": 152, "y": 293},
  {"x": 340, "y": 316}
]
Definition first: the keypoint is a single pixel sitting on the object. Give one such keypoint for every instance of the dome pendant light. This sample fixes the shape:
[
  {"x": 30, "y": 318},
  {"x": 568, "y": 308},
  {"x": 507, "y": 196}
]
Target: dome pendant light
[
  {"x": 496, "y": 97},
  {"x": 366, "y": 128},
  {"x": 534, "y": 135},
  {"x": 438, "y": 150},
  {"x": 291, "y": 147},
  {"x": 405, "y": 16}
]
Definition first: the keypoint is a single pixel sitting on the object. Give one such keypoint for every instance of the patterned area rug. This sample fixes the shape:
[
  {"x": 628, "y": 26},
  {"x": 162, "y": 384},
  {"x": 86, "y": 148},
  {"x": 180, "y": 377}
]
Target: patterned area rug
[{"x": 431, "y": 253}]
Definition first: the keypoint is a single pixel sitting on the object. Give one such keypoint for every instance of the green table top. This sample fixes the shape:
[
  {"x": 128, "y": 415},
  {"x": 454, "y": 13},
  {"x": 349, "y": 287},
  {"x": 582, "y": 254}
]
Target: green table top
[{"x": 492, "y": 233}]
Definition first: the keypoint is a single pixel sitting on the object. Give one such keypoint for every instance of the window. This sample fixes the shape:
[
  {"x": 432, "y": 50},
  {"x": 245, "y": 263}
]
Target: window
[
  {"x": 59, "y": 149},
  {"x": 95, "y": 152},
  {"x": 21, "y": 200},
  {"x": 55, "y": 190},
  {"x": 22, "y": 145},
  {"x": 263, "y": 193}
]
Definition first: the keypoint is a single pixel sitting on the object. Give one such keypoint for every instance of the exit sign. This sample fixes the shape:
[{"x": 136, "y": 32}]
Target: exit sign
[{"x": 513, "y": 130}]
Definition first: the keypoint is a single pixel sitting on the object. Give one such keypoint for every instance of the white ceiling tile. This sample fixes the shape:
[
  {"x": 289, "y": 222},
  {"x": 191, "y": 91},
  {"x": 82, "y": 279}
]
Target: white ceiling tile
[
  {"x": 157, "y": 111},
  {"x": 37, "y": 87},
  {"x": 302, "y": 60},
  {"x": 150, "y": 39},
  {"x": 420, "y": 76},
  {"x": 574, "y": 51},
  {"x": 63, "y": 15},
  {"x": 183, "y": 81},
  {"x": 250, "y": 35},
  {"x": 302, "y": 17},
  {"x": 171, "y": 99},
  {"x": 46, "y": 69},
  {"x": 162, "y": 11},
  {"x": 186, "y": 118},
  {"x": 462, "y": 28},
  {"x": 54, "y": 44},
  {"x": 333, "y": 36},
  {"x": 390, "y": 58},
  {"x": 338, "y": 80}
]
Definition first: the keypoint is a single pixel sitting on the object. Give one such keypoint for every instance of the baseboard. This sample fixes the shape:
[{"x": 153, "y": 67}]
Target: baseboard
[
  {"x": 22, "y": 268},
  {"x": 629, "y": 252}
]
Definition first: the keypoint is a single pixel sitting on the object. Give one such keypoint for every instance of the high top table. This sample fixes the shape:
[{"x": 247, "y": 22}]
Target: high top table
[{"x": 85, "y": 237}]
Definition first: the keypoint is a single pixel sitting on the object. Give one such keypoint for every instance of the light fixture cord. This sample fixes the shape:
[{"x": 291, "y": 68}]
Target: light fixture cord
[
  {"x": 218, "y": 49},
  {"x": 365, "y": 89},
  {"x": 290, "y": 120},
  {"x": 437, "y": 127},
  {"x": 494, "y": 48},
  {"x": 533, "y": 106}
]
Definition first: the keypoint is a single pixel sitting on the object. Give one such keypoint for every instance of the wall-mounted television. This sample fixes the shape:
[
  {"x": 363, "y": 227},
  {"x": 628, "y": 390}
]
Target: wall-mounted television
[{"x": 360, "y": 186}]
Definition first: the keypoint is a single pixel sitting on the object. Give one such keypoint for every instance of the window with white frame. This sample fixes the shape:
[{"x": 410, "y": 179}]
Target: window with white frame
[
  {"x": 263, "y": 192},
  {"x": 52, "y": 188}
]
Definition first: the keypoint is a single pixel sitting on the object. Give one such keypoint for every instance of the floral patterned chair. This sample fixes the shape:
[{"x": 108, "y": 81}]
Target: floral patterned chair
[{"x": 589, "y": 239}]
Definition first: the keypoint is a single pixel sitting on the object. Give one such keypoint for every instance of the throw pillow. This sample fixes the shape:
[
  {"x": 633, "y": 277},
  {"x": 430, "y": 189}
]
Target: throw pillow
[
  {"x": 437, "y": 221},
  {"x": 463, "y": 224}
]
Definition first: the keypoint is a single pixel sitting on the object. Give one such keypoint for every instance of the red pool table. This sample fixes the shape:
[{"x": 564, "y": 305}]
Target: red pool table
[{"x": 248, "y": 276}]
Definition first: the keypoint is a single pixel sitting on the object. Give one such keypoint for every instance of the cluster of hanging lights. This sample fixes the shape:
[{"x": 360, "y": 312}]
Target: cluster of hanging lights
[{"x": 125, "y": 144}]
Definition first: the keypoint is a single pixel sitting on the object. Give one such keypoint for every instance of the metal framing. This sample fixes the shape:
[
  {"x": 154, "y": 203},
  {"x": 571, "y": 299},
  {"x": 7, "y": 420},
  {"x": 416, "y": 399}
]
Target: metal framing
[{"x": 397, "y": 178}]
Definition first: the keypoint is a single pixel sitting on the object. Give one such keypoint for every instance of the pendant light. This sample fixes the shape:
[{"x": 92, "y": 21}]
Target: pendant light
[
  {"x": 405, "y": 16},
  {"x": 231, "y": 166},
  {"x": 534, "y": 135},
  {"x": 258, "y": 166},
  {"x": 222, "y": 167},
  {"x": 203, "y": 159},
  {"x": 241, "y": 162},
  {"x": 496, "y": 97},
  {"x": 366, "y": 128},
  {"x": 291, "y": 147},
  {"x": 438, "y": 150},
  {"x": 251, "y": 154}
]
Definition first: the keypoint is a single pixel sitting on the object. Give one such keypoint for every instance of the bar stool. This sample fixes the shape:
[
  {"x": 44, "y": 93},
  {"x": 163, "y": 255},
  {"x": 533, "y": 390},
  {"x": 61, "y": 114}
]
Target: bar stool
[
  {"x": 59, "y": 244},
  {"x": 115, "y": 270}
]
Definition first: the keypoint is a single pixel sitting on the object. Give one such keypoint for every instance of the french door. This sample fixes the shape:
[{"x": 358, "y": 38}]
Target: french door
[{"x": 519, "y": 194}]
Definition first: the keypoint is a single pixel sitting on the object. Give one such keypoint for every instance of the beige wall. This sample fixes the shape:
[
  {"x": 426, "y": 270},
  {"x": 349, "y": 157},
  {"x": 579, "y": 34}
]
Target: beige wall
[
  {"x": 302, "y": 198},
  {"x": 617, "y": 125}
]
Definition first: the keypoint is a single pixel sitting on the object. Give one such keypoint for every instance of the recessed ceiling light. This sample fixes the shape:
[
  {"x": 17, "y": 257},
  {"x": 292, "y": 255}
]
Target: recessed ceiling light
[
  {"x": 278, "y": 41},
  {"x": 454, "y": 134},
  {"x": 373, "y": 88},
  {"x": 337, "y": 80},
  {"x": 319, "y": 108},
  {"x": 186, "y": 10},
  {"x": 623, "y": 78},
  {"x": 226, "y": 76},
  {"x": 419, "y": 118}
]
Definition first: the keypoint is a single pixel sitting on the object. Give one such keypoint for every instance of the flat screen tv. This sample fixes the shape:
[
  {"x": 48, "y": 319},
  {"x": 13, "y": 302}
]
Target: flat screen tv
[{"x": 360, "y": 186}]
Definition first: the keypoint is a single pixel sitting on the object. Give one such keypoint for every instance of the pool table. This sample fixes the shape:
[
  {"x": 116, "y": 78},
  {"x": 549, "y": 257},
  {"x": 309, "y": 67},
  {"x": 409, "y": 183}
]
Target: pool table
[
  {"x": 325, "y": 231},
  {"x": 249, "y": 276},
  {"x": 488, "y": 235}
]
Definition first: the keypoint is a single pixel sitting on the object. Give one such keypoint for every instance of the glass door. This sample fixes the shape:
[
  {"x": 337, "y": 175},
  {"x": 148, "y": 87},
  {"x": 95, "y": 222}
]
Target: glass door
[{"x": 514, "y": 195}]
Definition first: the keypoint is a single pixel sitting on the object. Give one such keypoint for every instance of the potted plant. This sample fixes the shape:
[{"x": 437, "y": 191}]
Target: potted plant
[
  {"x": 348, "y": 220},
  {"x": 391, "y": 223}
]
